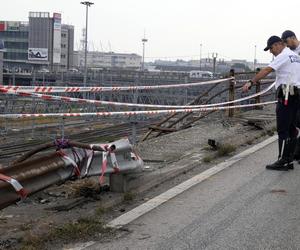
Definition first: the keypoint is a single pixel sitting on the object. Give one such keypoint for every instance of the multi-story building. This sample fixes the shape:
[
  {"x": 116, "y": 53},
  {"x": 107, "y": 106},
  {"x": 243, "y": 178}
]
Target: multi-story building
[
  {"x": 43, "y": 42},
  {"x": 67, "y": 46},
  {"x": 97, "y": 59},
  {"x": 15, "y": 36}
]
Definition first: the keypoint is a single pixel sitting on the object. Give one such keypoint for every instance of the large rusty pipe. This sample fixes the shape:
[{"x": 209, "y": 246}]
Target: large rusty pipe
[{"x": 39, "y": 173}]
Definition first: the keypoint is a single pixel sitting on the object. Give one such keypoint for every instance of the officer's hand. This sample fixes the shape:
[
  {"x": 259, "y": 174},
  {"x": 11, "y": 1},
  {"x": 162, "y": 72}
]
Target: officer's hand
[{"x": 247, "y": 86}]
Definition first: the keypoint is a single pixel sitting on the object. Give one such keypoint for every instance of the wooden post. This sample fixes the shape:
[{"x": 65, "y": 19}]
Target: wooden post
[
  {"x": 231, "y": 93},
  {"x": 1, "y": 67},
  {"x": 257, "y": 99}
]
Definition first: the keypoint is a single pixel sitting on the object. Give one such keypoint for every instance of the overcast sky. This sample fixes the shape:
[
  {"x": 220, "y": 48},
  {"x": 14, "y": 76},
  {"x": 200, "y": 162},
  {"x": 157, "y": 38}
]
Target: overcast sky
[{"x": 175, "y": 28}]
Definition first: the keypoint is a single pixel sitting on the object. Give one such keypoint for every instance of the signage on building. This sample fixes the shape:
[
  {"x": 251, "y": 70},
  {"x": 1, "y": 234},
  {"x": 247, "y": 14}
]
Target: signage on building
[
  {"x": 2, "y": 25},
  {"x": 56, "y": 37},
  {"x": 12, "y": 26},
  {"x": 38, "y": 54}
]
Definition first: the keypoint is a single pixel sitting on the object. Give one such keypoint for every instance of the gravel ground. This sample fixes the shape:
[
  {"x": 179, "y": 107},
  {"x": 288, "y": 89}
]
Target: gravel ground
[{"x": 163, "y": 152}]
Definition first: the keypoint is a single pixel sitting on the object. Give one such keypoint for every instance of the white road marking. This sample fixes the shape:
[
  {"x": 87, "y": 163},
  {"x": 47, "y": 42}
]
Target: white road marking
[{"x": 171, "y": 193}]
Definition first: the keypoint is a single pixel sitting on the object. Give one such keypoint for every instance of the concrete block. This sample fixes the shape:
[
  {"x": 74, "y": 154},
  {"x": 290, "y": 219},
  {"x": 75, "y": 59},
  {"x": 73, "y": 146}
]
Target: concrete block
[
  {"x": 118, "y": 183},
  {"x": 125, "y": 182}
]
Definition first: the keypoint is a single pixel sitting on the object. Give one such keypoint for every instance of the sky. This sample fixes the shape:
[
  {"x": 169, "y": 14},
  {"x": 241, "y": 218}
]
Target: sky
[{"x": 174, "y": 28}]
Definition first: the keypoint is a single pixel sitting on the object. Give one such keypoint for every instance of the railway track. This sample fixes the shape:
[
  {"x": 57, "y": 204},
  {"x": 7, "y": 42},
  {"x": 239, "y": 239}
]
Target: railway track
[{"x": 11, "y": 150}]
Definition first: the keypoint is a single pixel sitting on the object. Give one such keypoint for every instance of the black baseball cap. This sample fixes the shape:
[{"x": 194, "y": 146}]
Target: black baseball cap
[
  {"x": 271, "y": 41},
  {"x": 286, "y": 34}
]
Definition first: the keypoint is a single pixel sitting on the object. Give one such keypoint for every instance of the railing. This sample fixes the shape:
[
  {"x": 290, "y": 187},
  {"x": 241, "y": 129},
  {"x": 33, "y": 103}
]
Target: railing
[
  {"x": 74, "y": 159},
  {"x": 142, "y": 98}
]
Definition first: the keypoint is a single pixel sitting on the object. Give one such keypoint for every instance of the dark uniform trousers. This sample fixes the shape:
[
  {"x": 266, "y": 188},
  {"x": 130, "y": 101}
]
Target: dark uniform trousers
[
  {"x": 286, "y": 116},
  {"x": 297, "y": 152}
]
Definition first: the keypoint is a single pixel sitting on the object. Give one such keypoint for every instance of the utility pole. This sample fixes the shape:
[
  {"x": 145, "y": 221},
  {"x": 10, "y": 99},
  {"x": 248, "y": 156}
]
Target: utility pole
[
  {"x": 1, "y": 66},
  {"x": 144, "y": 40},
  {"x": 87, "y": 4},
  {"x": 214, "y": 62},
  {"x": 200, "y": 55},
  {"x": 254, "y": 62}
]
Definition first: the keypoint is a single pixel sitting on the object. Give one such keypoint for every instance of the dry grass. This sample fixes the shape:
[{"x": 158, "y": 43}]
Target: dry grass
[
  {"x": 225, "y": 150},
  {"x": 128, "y": 196},
  {"x": 207, "y": 158},
  {"x": 83, "y": 228}
]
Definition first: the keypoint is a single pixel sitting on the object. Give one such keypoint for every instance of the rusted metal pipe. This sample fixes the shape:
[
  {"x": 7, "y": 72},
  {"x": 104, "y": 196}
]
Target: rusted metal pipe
[
  {"x": 41, "y": 172},
  {"x": 54, "y": 144}
]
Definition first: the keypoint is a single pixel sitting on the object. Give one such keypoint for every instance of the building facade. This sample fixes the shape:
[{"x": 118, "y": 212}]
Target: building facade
[
  {"x": 41, "y": 43},
  {"x": 67, "y": 46},
  {"x": 96, "y": 59},
  {"x": 15, "y": 38}
]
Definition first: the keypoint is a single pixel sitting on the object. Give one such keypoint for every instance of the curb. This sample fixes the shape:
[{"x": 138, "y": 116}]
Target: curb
[{"x": 184, "y": 186}]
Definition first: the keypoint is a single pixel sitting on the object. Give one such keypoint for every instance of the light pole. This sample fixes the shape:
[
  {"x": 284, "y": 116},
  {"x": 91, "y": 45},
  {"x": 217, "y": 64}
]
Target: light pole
[
  {"x": 200, "y": 55},
  {"x": 214, "y": 62},
  {"x": 254, "y": 62},
  {"x": 144, "y": 40},
  {"x": 87, "y": 4}
]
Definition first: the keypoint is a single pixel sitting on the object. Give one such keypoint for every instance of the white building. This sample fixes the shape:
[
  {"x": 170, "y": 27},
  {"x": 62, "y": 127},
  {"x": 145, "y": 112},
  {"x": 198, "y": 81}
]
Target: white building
[{"x": 97, "y": 59}]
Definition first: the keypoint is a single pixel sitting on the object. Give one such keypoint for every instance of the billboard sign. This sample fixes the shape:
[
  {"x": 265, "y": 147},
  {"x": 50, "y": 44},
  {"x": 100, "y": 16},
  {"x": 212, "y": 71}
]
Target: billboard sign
[
  {"x": 2, "y": 26},
  {"x": 12, "y": 26},
  {"x": 38, "y": 54},
  {"x": 56, "y": 37}
]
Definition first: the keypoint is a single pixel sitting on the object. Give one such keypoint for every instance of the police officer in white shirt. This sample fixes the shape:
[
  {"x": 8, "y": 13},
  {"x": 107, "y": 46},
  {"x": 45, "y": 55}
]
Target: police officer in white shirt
[
  {"x": 286, "y": 65},
  {"x": 291, "y": 41}
]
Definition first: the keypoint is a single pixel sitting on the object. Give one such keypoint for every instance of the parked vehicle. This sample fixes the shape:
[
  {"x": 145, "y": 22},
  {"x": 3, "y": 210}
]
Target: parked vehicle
[{"x": 201, "y": 74}]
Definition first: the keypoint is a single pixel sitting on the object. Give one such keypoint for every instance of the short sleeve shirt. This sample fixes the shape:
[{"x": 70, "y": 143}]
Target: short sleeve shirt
[
  {"x": 297, "y": 50},
  {"x": 287, "y": 68}
]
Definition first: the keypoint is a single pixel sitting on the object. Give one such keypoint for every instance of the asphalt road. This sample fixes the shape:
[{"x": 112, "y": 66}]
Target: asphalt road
[{"x": 243, "y": 207}]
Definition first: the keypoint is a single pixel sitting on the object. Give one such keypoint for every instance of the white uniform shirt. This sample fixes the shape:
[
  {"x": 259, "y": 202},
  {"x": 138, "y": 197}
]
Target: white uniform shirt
[
  {"x": 287, "y": 68},
  {"x": 297, "y": 50}
]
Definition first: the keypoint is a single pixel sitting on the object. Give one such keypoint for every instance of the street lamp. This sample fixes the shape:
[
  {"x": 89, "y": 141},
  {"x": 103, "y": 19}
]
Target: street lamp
[
  {"x": 144, "y": 40},
  {"x": 200, "y": 55},
  {"x": 254, "y": 62},
  {"x": 87, "y": 4}
]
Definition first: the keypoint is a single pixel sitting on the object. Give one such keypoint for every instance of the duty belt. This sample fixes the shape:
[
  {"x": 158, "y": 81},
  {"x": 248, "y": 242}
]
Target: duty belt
[{"x": 287, "y": 90}]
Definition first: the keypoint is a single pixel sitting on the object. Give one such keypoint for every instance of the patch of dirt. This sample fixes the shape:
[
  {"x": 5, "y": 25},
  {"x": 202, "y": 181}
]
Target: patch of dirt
[{"x": 73, "y": 210}]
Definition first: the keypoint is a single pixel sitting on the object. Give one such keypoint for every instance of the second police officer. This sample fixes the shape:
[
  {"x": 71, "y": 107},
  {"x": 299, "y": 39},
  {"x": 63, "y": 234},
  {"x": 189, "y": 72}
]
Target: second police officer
[{"x": 286, "y": 65}]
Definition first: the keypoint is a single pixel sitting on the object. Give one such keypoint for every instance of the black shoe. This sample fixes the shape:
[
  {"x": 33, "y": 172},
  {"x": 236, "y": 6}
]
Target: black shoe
[
  {"x": 280, "y": 165},
  {"x": 297, "y": 157},
  {"x": 291, "y": 165}
]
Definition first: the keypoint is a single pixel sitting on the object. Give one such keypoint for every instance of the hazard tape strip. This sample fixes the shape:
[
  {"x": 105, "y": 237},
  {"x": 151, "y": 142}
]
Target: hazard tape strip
[
  {"x": 70, "y": 161},
  {"x": 90, "y": 157},
  {"x": 134, "y": 113},
  {"x": 96, "y": 102},
  {"x": 62, "y": 89},
  {"x": 108, "y": 152},
  {"x": 20, "y": 190}
]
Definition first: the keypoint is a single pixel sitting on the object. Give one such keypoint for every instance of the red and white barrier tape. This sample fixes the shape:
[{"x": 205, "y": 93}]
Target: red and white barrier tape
[
  {"x": 134, "y": 113},
  {"x": 70, "y": 161},
  {"x": 15, "y": 184},
  {"x": 61, "y": 89},
  {"x": 96, "y": 102},
  {"x": 90, "y": 157},
  {"x": 108, "y": 151}
]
